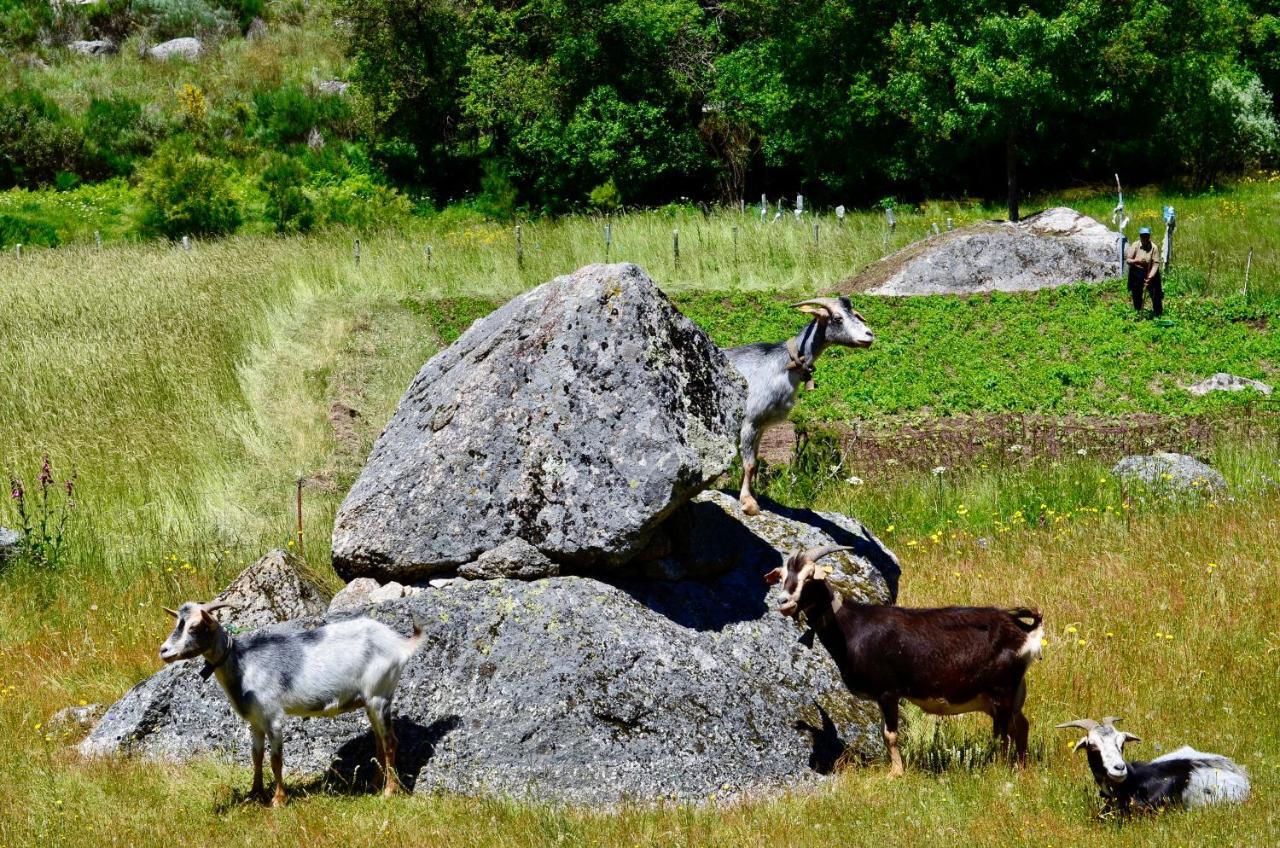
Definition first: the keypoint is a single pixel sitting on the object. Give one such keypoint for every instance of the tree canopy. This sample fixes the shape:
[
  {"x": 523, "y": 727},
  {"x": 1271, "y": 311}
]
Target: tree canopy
[{"x": 554, "y": 102}]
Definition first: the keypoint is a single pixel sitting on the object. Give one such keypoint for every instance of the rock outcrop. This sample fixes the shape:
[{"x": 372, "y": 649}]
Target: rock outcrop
[
  {"x": 576, "y": 417},
  {"x": 1054, "y": 248},
  {"x": 580, "y": 690},
  {"x": 177, "y": 48},
  {"x": 272, "y": 590},
  {"x": 96, "y": 47},
  {"x": 1171, "y": 472},
  {"x": 1222, "y": 382}
]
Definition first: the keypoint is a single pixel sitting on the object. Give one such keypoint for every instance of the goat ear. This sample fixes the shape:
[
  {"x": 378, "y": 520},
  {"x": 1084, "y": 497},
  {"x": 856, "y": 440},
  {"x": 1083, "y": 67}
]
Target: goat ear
[
  {"x": 773, "y": 576},
  {"x": 1126, "y": 737},
  {"x": 1083, "y": 741},
  {"x": 173, "y": 613}
]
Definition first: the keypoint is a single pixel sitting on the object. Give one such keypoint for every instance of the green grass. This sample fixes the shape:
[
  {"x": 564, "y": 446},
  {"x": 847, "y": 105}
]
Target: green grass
[{"x": 190, "y": 390}]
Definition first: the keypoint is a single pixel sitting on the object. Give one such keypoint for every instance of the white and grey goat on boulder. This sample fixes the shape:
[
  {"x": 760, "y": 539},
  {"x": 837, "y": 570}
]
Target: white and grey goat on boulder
[
  {"x": 1185, "y": 777},
  {"x": 336, "y": 668},
  {"x": 775, "y": 371}
]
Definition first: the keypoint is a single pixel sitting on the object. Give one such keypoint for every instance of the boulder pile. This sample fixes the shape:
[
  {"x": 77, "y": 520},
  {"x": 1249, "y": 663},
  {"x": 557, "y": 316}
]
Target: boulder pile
[{"x": 597, "y": 625}]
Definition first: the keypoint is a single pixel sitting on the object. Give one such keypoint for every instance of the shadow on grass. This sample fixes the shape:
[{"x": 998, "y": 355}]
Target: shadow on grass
[{"x": 354, "y": 770}]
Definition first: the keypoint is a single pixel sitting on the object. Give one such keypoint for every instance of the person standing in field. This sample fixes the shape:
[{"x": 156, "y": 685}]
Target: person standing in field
[{"x": 1143, "y": 259}]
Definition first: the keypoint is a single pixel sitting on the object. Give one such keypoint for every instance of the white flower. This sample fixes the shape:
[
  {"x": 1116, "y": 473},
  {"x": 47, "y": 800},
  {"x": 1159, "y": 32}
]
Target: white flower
[
  {"x": 1082, "y": 452},
  {"x": 1015, "y": 448},
  {"x": 941, "y": 469},
  {"x": 854, "y": 481}
]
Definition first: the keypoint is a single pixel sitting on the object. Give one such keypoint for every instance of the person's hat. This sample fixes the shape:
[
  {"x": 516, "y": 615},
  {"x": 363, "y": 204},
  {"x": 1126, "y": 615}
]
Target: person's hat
[{"x": 1144, "y": 231}]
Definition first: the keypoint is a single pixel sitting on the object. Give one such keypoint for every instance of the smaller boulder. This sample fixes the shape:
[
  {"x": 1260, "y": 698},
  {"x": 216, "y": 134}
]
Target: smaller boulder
[
  {"x": 181, "y": 48},
  {"x": 98, "y": 47},
  {"x": 271, "y": 590},
  {"x": 365, "y": 590},
  {"x": 333, "y": 86},
  {"x": 257, "y": 29},
  {"x": 514, "y": 559},
  {"x": 73, "y": 722},
  {"x": 1171, "y": 471},
  {"x": 1222, "y": 382},
  {"x": 10, "y": 542}
]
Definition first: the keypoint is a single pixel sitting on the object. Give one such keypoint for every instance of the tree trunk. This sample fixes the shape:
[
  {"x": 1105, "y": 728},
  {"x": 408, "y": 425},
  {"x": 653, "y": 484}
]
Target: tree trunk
[{"x": 1011, "y": 172}]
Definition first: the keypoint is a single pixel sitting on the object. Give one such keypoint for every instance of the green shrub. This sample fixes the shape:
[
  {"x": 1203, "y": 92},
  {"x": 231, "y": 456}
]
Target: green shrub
[
  {"x": 167, "y": 19},
  {"x": 37, "y": 141},
  {"x": 288, "y": 208},
  {"x": 184, "y": 192},
  {"x": 23, "y": 22},
  {"x": 117, "y": 133},
  {"x": 19, "y": 229},
  {"x": 285, "y": 115},
  {"x": 605, "y": 197},
  {"x": 357, "y": 201},
  {"x": 497, "y": 198}
]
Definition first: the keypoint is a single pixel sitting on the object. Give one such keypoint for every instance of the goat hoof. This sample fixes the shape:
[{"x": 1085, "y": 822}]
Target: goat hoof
[
  {"x": 895, "y": 773},
  {"x": 277, "y": 800},
  {"x": 749, "y": 506}
]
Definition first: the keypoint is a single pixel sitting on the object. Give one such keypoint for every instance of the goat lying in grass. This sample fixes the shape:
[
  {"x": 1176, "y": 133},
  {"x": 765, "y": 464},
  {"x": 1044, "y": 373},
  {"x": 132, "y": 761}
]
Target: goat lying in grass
[
  {"x": 946, "y": 661},
  {"x": 1185, "y": 777},
  {"x": 775, "y": 371},
  {"x": 332, "y": 669}
]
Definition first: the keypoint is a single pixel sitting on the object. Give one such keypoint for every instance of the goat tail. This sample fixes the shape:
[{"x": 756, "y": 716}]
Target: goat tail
[{"x": 1021, "y": 615}]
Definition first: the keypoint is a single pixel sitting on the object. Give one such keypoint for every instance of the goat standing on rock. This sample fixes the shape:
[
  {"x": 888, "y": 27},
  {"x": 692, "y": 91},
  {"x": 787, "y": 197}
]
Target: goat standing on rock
[
  {"x": 947, "y": 661},
  {"x": 1185, "y": 777},
  {"x": 336, "y": 668},
  {"x": 775, "y": 371}
]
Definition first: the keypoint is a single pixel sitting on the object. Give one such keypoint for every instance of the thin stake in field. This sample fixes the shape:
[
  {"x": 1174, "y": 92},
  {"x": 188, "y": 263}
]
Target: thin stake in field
[
  {"x": 356, "y": 252},
  {"x": 608, "y": 240},
  {"x": 298, "y": 503},
  {"x": 675, "y": 247},
  {"x": 519, "y": 249}
]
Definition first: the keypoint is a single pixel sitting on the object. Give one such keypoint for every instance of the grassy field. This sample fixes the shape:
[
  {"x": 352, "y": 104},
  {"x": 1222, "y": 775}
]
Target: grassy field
[{"x": 190, "y": 390}]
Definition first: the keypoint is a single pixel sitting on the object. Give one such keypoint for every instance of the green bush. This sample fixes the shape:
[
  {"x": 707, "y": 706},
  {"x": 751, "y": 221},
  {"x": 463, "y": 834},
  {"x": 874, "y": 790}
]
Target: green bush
[
  {"x": 497, "y": 198},
  {"x": 117, "y": 133},
  {"x": 288, "y": 208},
  {"x": 286, "y": 114},
  {"x": 23, "y": 22},
  {"x": 37, "y": 141},
  {"x": 184, "y": 192},
  {"x": 18, "y": 229},
  {"x": 167, "y": 19},
  {"x": 357, "y": 201},
  {"x": 605, "y": 197}
]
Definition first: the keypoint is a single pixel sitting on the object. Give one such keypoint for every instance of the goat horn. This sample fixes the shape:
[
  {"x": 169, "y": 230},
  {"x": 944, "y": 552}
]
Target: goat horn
[
  {"x": 213, "y": 606},
  {"x": 173, "y": 613},
  {"x": 1082, "y": 723},
  {"x": 815, "y": 554},
  {"x": 1110, "y": 721},
  {"x": 829, "y": 303}
]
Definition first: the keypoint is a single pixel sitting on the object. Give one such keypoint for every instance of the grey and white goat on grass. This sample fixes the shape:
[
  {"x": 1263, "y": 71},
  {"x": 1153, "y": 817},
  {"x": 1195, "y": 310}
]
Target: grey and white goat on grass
[
  {"x": 1185, "y": 777},
  {"x": 775, "y": 371},
  {"x": 336, "y": 668}
]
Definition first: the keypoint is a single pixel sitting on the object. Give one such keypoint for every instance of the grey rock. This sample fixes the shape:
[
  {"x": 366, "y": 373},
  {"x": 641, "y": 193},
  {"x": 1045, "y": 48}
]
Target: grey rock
[
  {"x": 577, "y": 417},
  {"x": 257, "y": 30},
  {"x": 364, "y": 591},
  {"x": 10, "y": 542},
  {"x": 179, "y": 48},
  {"x": 98, "y": 47},
  {"x": 70, "y": 721},
  {"x": 315, "y": 139},
  {"x": 515, "y": 559},
  {"x": 1054, "y": 248},
  {"x": 1222, "y": 382},
  {"x": 571, "y": 689},
  {"x": 272, "y": 590},
  {"x": 333, "y": 86},
  {"x": 1172, "y": 472}
]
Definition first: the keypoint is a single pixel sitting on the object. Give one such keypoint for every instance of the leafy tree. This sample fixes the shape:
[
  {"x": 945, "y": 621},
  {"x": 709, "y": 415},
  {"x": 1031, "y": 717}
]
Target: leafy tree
[
  {"x": 289, "y": 209},
  {"x": 37, "y": 140}
]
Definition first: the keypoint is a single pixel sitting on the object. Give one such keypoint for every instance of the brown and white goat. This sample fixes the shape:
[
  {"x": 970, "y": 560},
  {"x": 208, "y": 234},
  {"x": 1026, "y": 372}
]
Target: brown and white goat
[{"x": 946, "y": 660}]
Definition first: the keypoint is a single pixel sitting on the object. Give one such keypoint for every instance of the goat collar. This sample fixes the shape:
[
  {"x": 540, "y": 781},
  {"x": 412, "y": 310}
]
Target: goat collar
[
  {"x": 804, "y": 364},
  {"x": 212, "y": 665}
]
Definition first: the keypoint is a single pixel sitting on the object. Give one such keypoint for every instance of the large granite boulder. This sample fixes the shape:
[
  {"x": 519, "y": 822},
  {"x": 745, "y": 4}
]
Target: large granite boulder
[
  {"x": 1172, "y": 472},
  {"x": 576, "y": 417},
  {"x": 1223, "y": 382},
  {"x": 1054, "y": 248},
  {"x": 575, "y": 689},
  {"x": 273, "y": 589}
]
